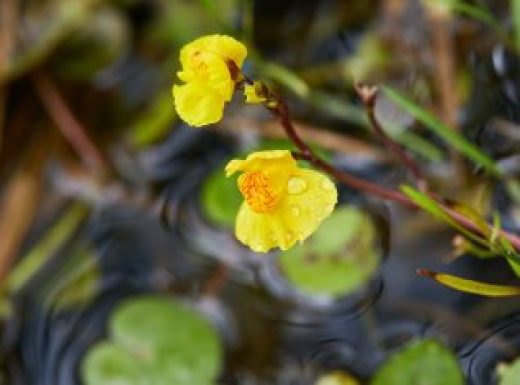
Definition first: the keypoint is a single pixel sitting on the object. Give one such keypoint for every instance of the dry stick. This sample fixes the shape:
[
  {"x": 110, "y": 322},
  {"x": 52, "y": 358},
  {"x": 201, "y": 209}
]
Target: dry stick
[
  {"x": 68, "y": 125},
  {"x": 368, "y": 95}
]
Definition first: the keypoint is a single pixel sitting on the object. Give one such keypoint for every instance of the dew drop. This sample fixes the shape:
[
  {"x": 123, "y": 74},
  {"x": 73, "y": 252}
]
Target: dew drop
[
  {"x": 295, "y": 210},
  {"x": 296, "y": 185}
]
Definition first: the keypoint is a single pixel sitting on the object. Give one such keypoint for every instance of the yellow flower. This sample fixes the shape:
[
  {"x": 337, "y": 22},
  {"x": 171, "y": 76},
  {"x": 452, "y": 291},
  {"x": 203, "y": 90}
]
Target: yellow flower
[
  {"x": 253, "y": 94},
  {"x": 209, "y": 82},
  {"x": 283, "y": 203}
]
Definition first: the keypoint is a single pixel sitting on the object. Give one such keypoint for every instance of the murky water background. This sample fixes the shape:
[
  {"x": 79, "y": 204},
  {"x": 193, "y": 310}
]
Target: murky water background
[{"x": 159, "y": 240}]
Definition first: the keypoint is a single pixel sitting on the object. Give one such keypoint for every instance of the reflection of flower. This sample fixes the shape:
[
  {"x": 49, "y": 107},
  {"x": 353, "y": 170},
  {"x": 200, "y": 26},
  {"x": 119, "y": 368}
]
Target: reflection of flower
[
  {"x": 209, "y": 82},
  {"x": 283, "y": 203}
]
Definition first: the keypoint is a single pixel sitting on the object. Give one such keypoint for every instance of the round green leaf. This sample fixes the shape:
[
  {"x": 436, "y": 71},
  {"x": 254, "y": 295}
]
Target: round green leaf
[
  {"x": 221, "y": 198},
  {"x": 425, "y": 362},
  {"x": 509, "y": 374},
  {"x": 108, "y": 364},
  {"x": 337, "y": 259},
  {"x": 155, "y": 342}
]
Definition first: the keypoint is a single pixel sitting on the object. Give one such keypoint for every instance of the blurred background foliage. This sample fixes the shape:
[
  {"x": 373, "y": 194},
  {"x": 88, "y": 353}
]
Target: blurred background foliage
[{"x": 118, "y": 263}]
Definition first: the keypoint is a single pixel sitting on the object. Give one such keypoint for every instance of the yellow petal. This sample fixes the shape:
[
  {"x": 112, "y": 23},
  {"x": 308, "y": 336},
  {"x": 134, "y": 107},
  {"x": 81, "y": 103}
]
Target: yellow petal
[
  {"x": 262, "y": 160},
  {"x": 260, "y": 232},
  {"x": 275, "y": 166},
  {"x": 310, "y": 197},
  {"x": 226, "y": 47},
  {"x": 196, "y": 106},
  {"x": 209, "y": 70}
]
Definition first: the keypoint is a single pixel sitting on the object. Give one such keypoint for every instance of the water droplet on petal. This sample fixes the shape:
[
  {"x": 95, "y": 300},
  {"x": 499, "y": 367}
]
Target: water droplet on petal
[
  {"x": 296, "y": 185},
  {"x": 289, "y": 236},
  {"x": 327, "y": 185},
  {"x": 295, "y": 210}
]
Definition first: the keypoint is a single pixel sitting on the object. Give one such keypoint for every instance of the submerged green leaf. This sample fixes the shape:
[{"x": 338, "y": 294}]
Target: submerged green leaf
[
  {"x": 335, "y": 260},
  {"x": 155, "y": 341},
  {"x": 108, "y": 364},
  {"x": 425, "y": 362},
  {"x": 509, "y": 374},
  {"x": 221, "y": 199}
]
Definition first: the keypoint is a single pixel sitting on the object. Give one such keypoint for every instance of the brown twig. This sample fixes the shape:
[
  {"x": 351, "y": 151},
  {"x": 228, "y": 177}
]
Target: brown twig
[{"x": 68, "y": 125}]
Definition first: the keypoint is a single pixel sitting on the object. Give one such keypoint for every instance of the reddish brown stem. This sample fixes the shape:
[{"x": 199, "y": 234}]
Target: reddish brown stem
[
  {"x": 305, "y": 152},
  {"x": 368, "y": 95},
  {"x": 67, "y": 123},
  {"x": 351, "y": 180}
]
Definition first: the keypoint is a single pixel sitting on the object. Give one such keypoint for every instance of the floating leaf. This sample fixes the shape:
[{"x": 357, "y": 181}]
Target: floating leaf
[
  {"x": 425, "y": 362},
  {"x": 167, "y": 342},
  {"x": 335, "y": 260},
  {"x": 221, "y": 198},
  {"x": 108, "y": 364},
  {"x": 447, "y": 133},
  {"x": 509, "y": 374}
]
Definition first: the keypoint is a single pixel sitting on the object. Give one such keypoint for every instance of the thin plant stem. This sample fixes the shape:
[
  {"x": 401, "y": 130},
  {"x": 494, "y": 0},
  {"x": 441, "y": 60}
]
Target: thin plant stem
[
  {"x": 305, "y": 152},
  {"x": 368, "y": 95},
  {"x": 280, "y": 110}
]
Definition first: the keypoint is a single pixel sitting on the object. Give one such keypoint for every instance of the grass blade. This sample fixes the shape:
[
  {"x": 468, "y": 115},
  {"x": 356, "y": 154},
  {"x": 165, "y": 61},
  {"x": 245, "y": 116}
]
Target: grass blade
[
  {"x": 470, "y": 286},
  {"x": 448, "y": 134}
]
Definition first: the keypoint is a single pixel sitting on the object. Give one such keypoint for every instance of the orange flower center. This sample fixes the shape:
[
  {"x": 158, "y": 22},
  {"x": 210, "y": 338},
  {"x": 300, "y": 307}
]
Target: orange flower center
[{"x": 258, "y": 192}]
